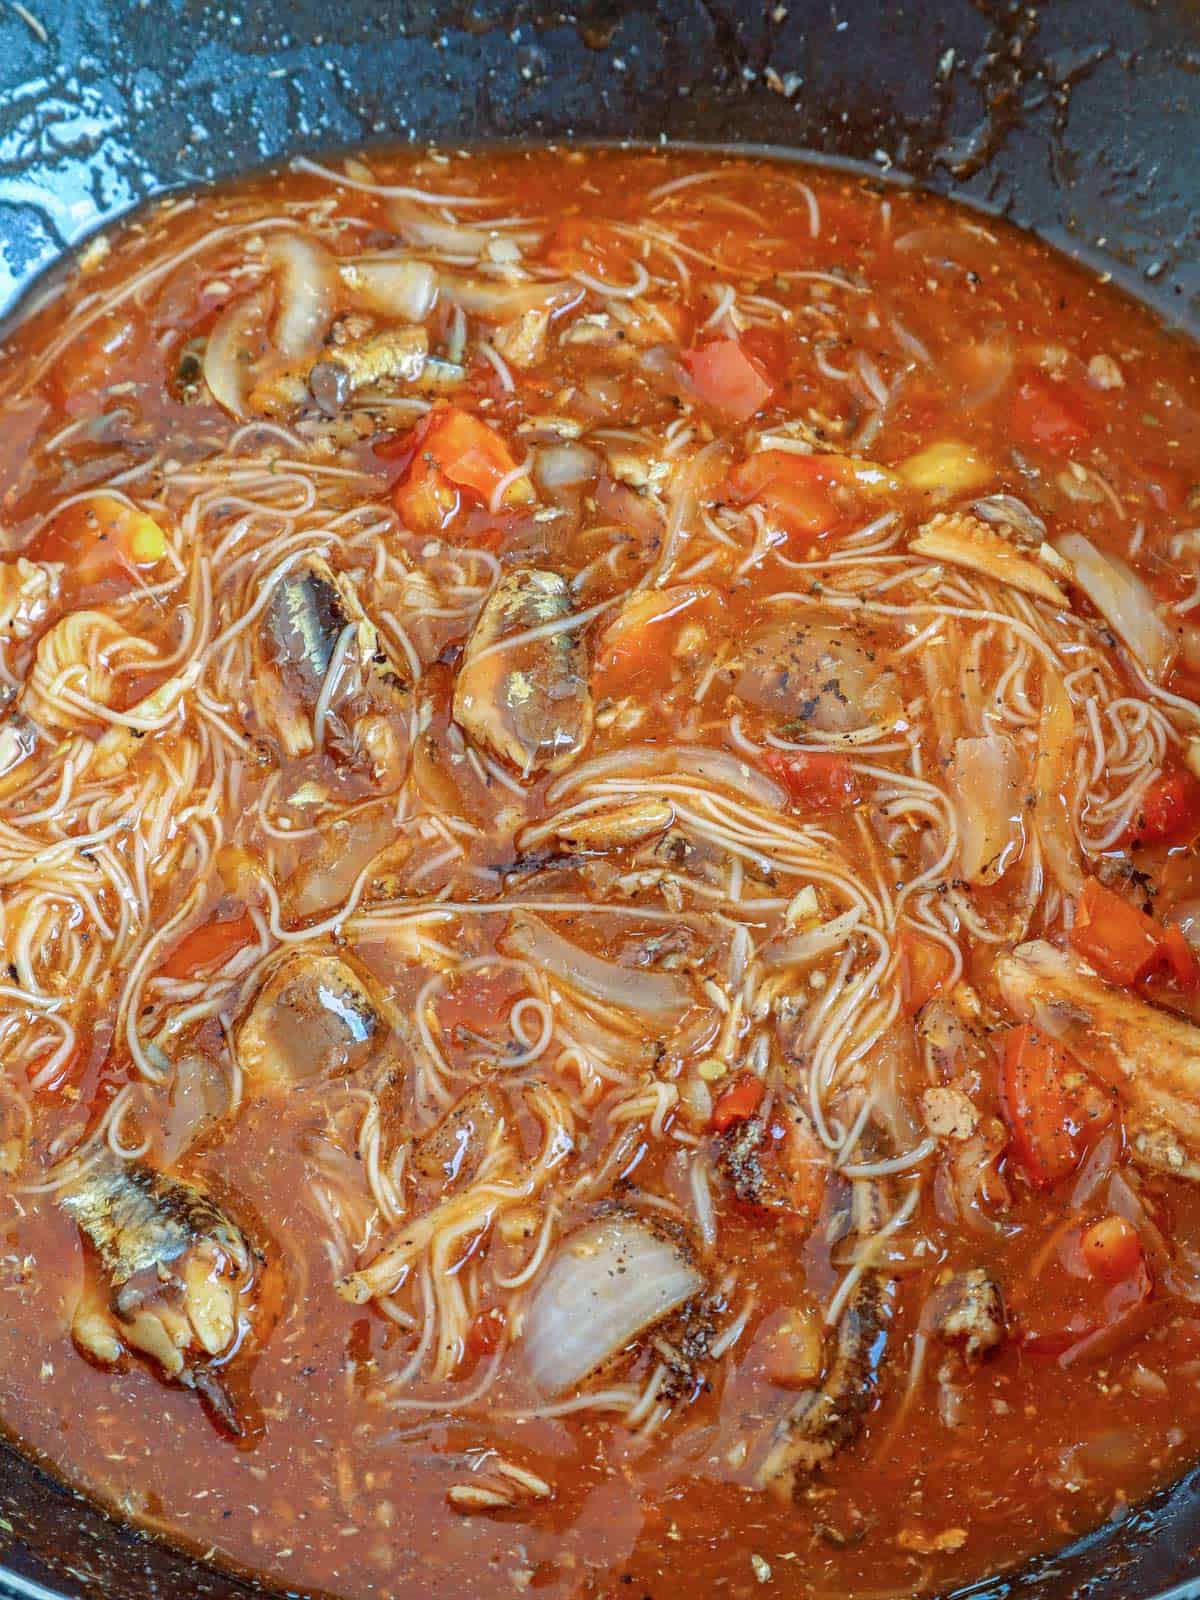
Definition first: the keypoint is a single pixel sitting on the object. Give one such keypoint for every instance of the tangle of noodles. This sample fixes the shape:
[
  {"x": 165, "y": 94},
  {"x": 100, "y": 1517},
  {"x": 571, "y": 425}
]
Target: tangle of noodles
[{"x": 558, "y": 778}]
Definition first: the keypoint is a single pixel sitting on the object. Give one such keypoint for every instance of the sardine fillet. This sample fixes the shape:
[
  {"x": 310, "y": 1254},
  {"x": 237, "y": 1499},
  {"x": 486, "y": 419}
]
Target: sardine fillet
[
  {"x": 824, "y": 1420},
  {"x": 139, "y": 1219},
  {"x": 1149, "y": 1056},
  {"x": 522, "y": 694}
]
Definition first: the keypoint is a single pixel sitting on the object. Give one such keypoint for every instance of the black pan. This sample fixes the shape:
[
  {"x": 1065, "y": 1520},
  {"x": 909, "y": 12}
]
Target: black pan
[{"x": 1080, "y": 118}]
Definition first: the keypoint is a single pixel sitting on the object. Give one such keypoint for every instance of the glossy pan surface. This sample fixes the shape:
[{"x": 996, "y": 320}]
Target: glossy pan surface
[{"x": 1080, "y": 118}]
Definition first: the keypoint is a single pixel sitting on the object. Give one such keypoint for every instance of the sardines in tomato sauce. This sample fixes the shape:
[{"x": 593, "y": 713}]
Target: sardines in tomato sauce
[{"x": 600, "y": 772}]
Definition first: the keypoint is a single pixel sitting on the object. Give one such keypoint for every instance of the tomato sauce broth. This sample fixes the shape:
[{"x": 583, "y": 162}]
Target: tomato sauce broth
[{"x": 817, "y": 481}]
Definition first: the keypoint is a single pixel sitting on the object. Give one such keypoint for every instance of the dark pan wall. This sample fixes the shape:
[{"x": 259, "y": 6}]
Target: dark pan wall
[{"x": 1083, "y": 118}]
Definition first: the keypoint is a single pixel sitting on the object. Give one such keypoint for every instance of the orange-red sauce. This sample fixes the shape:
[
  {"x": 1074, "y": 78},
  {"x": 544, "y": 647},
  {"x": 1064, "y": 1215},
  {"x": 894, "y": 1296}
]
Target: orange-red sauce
[{"x": 948, "y": 359}]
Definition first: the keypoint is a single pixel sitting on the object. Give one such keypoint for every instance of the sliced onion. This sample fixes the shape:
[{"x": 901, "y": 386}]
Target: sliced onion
[
  {"x": 1122, "y": 599},
  {"x": 656, "y": 994},
  {"x": 394, "y": 288},
  {"x": 717, "y": 767},
  {"x": 234, "y": 338},
  {"x": 326, "y": 880},
  {"x": 340, "y": 1176},
  {"x": 985, "y": 780},
  {"x": 414, "y": 223},
  {"x": 17, "y": 741},
  {"x": 814, "y": 942},
  {"x": 451, "y": 1151},
  {"x": 606, "y": 1285},
  {"x": 970, "y": 1168},
  {"x": 636, "y": 513},
  {"x": 1051, "y": 783},
  {"x": 1097, "y": 1169},
  {"x": 957, "y": 244},
  {"x": 565, "y": 466},
  {"x": 1182, "y": 1277},
  {"x": 1185, "y": 915},
  {"x": 198, "y": 1096},
  {"x": 497, "y": 301},
  {"x": 896, "y": 1074},
  {"x": 1127, "y": 1203},
  {"x": 306, "y": 278},
  {"x": 983, "y": 366}
]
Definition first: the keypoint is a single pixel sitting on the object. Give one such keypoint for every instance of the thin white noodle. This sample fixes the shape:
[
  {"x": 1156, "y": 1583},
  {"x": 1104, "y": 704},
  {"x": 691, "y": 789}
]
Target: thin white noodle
[{"x": 396, "y": 191}]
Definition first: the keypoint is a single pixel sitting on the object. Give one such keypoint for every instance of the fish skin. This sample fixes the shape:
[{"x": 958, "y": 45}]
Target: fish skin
[
  {"x": 139, "y": 1219},
  {"x": 824, "y": 1420},
  {"x": 179, "y": 1275},
  {"x": 307, "y": 612},
  {"x": 304, "y": 618},
  {"x": 529, "y": 705},
  {"x": 1150, "y": 1056}
]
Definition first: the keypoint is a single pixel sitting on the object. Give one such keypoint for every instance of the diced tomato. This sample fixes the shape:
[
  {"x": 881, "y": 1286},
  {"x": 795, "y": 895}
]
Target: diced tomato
[
  {"x": 924, "y": 968},
  {"x": 729, "y": 380},
  {"x": 1054, "y": 1108},
  {"x": 638, "y": 633},
  {"x": 472, "y": 455},
  {"x": 1170, "y": 810},
  {"x": 101, "y": 538},
  {"x": 1124, "y": 944},
  {"x": 485, "y": 1334},
  {"x": 210, "y": 943},
  {"x": 1077, "y": 1315},
  {"x": 1111, "y": 1248},
  {"x": 792, "y": 1348},
  {"x": 741, "y": 1100},
  {"x": 793, "y": 488},
  {"x": 455, "y": 451},
  {"x": 819, "y": 778},
  {"x": 1121, "y": 942},
  {"x": 1090, "y": 1293},
  {"x": 797, "y": 489},
  {"x": 1049, "y": 414},
  {"x": 425, "y": 499}
]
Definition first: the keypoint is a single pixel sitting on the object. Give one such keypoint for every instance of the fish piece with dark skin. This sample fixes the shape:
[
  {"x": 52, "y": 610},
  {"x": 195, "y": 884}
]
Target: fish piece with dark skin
[
  {"x": 314, "y": 624},
  {"x": 824, "y": 1420},
  {"x": 179, "y": 1277},
  {"x": 1151, "y": 1057},
  {"x": 777, "y": 1166},
  {"x": 357, "y": 357},
  {"x": 967, "y": 1313},
  {"x": 526, "y": 700}
]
